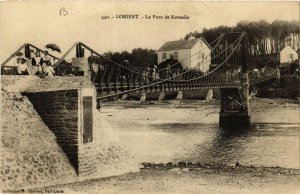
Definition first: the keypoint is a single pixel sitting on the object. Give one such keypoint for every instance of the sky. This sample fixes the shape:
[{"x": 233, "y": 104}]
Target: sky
[{"x": 40, "y": 23}]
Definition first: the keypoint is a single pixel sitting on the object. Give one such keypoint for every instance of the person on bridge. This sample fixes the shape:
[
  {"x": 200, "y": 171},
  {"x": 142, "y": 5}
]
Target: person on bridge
[
  {"x": 94, "y": 68},
  {"x": 155, "y": 74},
  {"x": 256, "y": 73},
  {"x": 177, "y": 75},
  {"x": 168, "y": 71},
  {"x": 147, "y": 73},
  {"x": 227, "y": 76}
]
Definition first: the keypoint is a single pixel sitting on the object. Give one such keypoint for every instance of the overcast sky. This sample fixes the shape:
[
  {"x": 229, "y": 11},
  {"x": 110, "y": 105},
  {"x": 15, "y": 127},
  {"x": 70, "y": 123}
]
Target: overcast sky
[{"x": 40, "y": 23}]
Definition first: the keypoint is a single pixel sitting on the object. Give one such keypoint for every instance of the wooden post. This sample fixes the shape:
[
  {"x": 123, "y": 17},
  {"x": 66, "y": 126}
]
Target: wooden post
[
  {"x": 162, "y": 95},
  {"x": 143, "y": 96},
  {"x": 124, "y": 96},
  {"x": 27, "y": 52},
  {"x": 209, "y": 95},
  {"x": 179, "y": 95}
]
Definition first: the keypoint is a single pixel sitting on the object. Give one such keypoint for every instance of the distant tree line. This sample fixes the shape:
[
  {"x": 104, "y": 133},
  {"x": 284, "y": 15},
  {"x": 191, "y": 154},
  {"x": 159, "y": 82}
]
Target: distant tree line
[
  {"x": 137, "y": 58},
  {"x": 264, "y": 38}
]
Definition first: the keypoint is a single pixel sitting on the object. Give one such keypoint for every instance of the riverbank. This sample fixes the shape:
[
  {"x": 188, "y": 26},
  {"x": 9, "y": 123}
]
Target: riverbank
[
  {"x": 204, "y": 179},
  {"x": 152, "y": 132}
]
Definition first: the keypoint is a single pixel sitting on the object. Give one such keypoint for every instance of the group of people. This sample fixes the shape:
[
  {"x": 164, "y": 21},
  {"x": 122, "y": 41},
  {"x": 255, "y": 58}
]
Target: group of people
[
  {"x": 148, "y": 75},
  {"x": 37, "y": 65},
  {"x": 155, "y": 73}
]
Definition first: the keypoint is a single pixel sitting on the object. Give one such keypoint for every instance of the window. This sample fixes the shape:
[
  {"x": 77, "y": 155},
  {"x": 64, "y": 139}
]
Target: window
[
  {"x": 202, "y": 57},
  {"x": 175, "y": 55},
  {"x": 291, "y": 57},
  {"x": 198, "y": 55},
  {"x": 164, "y": 55}
]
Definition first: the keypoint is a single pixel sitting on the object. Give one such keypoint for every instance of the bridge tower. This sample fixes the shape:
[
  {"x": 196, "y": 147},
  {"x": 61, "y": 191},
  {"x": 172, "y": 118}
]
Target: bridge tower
[
  {"x": 80, "y": 62},
  {"x": 235, "y": 110}
]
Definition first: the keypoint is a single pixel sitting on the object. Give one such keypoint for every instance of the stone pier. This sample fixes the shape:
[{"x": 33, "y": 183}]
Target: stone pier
[
  {"x": 69, "y": 114},
  {"x": 235, "y": 111}
]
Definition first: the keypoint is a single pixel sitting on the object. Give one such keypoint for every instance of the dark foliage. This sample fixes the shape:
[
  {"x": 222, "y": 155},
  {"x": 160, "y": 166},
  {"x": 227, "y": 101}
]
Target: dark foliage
[
  {"x": 170, "y": 62},
  {"x": 257, "y": 32},
  {"x": 137, "y": 58}
]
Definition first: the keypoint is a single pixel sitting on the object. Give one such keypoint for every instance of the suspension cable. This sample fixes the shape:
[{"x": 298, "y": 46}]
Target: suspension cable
[
  {"x": 219, "y": 66},
  {"x": 161, "y": 81},
  {"x": 219, "y": 38},
  {"x": 91, "y": 50},
  {"x": 13, "y": 55},
  {"x": 63, "y": 57},
  {"x": 237, "y": 40},
  {"x": 129, "y": 69}
]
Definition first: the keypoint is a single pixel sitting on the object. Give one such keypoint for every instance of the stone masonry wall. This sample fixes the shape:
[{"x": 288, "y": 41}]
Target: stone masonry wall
[
  {"x": 31, "y": 154},
  {"x": 87, "y": 151},
  {"x": 87, "y": 159},
  {"x": 59, "y": 111}
]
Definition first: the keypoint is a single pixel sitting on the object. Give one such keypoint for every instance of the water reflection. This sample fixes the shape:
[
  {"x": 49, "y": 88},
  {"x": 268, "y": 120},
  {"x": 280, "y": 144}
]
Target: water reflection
[
  {"x": 223, "y": 147},
  {"x": 231, "y": 132},
  {"x": 260, "y": 145}
]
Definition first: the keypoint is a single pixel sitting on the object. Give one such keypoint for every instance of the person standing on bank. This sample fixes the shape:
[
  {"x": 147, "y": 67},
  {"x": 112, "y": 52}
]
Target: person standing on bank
[
  {"x": 46, "y": 60},
  {"x": 49, "y": 70},
  {"x": 22, "y": 67},
  {"x": 37, "y": 62}
]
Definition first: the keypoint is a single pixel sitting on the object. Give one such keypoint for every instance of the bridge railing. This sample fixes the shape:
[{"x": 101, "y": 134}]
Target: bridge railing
[{"x": 9, "y": 70}]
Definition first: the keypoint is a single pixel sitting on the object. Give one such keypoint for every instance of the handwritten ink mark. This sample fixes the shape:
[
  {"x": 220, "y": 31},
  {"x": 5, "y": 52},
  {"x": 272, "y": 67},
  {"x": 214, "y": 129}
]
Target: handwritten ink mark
[{"x": 63, "y": 12}]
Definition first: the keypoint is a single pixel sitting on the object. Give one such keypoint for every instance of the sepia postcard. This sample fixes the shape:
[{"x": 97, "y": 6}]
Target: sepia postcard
[{"x": 150, "y": 97}]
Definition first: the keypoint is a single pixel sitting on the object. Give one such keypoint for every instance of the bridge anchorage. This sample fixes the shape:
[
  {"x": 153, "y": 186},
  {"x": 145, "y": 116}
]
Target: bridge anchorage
[{"x": 229, "y": 72}]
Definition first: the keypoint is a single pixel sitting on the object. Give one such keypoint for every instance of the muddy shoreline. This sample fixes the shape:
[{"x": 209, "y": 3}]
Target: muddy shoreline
[{"x": 204, "y": 179}]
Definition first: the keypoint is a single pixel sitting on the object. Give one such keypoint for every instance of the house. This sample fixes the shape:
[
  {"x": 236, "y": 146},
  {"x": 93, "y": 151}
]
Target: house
[
  {"x": 288, "y": 55},
  {"x": 191, "y": 53}
]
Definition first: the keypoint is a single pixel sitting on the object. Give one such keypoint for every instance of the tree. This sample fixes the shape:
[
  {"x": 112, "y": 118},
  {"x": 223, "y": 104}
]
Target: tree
[{"x": 173, "y": 63}]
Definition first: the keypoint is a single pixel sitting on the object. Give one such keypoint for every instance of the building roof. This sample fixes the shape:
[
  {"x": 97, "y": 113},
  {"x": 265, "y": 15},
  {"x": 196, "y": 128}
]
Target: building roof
[
  {"x": 288, "y": 49},
  {"x": 180, "y": 44}
]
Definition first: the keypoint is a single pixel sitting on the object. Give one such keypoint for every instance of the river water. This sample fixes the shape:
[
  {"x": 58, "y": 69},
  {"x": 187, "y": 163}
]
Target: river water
[{"x": 189, "y": 132}]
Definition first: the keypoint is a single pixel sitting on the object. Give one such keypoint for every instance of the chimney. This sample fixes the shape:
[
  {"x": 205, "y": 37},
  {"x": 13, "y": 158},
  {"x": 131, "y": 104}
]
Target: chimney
[{"x": 191, "y": 38}]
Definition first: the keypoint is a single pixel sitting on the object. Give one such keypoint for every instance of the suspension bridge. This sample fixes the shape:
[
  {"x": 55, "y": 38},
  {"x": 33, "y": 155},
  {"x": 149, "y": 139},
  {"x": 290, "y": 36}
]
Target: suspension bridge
[{"x": 112, "y": 79}]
